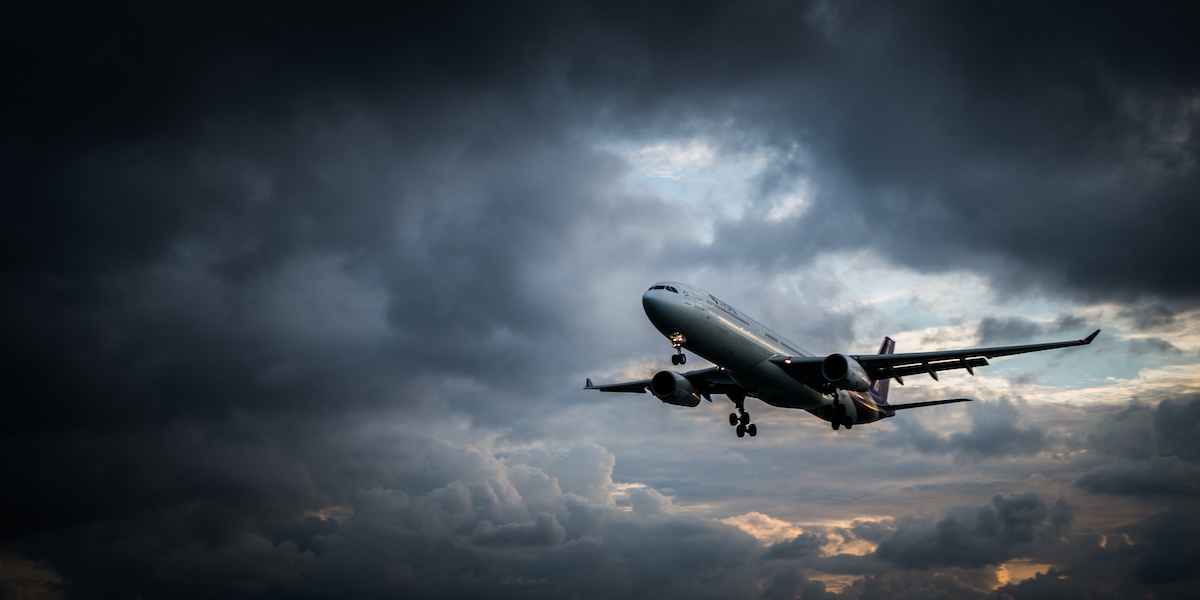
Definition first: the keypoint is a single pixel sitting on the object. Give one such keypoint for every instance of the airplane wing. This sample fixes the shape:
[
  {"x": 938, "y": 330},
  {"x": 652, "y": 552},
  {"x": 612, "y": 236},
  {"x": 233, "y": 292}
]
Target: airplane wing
[
  {"x": 930, "y": 403},
  {"x": 713, "y": 380},
  {"x": 807, "y": 369}
]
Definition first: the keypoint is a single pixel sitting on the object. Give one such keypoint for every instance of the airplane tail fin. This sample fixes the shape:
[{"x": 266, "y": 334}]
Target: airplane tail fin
[{"x": 879, "y": 389}]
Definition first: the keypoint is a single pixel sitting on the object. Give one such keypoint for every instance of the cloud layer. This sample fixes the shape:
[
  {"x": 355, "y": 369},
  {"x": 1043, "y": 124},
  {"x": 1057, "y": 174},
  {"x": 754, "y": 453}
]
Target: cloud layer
[{"x": 298, "y": 301}]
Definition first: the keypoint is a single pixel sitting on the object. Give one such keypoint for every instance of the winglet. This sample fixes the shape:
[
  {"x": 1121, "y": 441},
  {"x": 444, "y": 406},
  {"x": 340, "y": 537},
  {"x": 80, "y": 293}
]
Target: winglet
[
  {"x": 589, "y": 384},
  {"x": 1088, "y": 339}
]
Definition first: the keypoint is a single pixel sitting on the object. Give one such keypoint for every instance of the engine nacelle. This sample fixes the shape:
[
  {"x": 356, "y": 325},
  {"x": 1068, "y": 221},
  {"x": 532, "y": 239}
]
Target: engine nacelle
[
  {"x": 845, "y": 373},
  {"x": 673, "y": 388}
]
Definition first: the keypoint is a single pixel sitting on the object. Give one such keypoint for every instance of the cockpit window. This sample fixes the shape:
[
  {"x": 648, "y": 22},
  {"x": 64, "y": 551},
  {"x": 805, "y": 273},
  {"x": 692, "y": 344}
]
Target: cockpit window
[
  {"x": 657, "y": 287},
  {"x": 671, "y": 289}
]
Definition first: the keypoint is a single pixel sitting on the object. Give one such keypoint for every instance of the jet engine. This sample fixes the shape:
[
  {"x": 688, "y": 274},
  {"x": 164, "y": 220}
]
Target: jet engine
[
  {"x": 845, "y": 373},
  {"x": 673, "y": 388}
]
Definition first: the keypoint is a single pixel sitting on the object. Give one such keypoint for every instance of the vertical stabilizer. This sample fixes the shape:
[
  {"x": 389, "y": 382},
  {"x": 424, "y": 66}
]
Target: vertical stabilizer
[{"x": 879, "y": 389}]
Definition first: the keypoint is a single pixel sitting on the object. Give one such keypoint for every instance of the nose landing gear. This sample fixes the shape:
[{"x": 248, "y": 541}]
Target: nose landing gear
[
  {"x": 677, "y": 340},
  {"x": 741, "y": 419}
]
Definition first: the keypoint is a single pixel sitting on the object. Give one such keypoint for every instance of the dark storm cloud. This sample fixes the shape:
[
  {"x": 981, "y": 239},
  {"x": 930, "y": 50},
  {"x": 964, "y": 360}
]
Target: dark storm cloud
[
  {"x": 1176, "y": 421},
  {"x": 991, "y": 142},
  {"x": 996, "y": 432},
  {"x": 1154, "y": 316},
  {"x": 1141, "y": 431},
  {"x": 1159, "y": 446},
  {"x": 1127, "y": 433},
  {"x": 1153, "y": 346},
  {"x": 803, "y": 545},
  {"x": 259, "y": 262},
  {"x": 1035, "y": 141},
  {"x": 1006, "y": 330},
  {"x": 970, "y": 536},
  {"x": 995, "y": 331},
  {"x": 790, "y": 584},
  {"x": 1156, "y": 477},
  {"x": 478, "y": 520},
  {"x": 1174, "y": 538},
  {"x": 911, "y": 586}
]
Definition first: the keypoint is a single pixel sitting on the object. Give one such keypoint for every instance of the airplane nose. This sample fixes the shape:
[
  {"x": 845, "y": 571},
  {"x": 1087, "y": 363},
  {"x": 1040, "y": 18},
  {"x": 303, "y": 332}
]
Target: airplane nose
[
  {"x": 650, "y": 299},
  {"x": 654, "y": 304}
]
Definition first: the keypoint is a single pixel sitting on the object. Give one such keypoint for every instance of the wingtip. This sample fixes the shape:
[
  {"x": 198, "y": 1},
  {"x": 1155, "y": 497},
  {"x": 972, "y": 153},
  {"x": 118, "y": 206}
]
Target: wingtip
[
  {"x": 1089, "y": 338},
  {"x": 589, "y": 384}
]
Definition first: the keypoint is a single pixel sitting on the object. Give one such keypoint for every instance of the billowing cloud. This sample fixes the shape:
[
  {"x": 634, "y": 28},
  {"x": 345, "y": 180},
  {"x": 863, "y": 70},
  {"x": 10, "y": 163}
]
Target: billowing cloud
[
  {"x": 298, "y": 301},
  {"x": 995, "y": 432},
  {"x": 969, "y": 536},
  {"x": 1158, "y": 476},
  {"x": 1160, "y": 448}
]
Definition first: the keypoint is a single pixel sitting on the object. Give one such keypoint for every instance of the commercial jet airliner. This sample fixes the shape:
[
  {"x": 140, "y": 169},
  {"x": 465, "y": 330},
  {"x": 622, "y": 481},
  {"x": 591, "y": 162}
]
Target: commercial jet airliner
[{"x": 753, "y": 361}]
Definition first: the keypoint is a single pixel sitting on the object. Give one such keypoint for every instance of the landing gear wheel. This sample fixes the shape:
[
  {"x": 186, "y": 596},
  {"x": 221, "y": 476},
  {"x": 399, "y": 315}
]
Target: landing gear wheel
[
  {"x": 741, "y": 418},
  {"x": 836, "y": 424},
  {"x": 675, "y": 358},
  {"x": 682, "y": 359},
  {"x": 848, "y": 423}
]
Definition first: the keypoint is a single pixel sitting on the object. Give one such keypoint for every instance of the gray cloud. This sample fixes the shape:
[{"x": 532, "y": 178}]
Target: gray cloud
[
  {"x": 995, "y": 432},
  {"x": 1127, "y": 433},
  {"x": 910, "y": 585},
  {"x": 995, "y": 331},
  {"x": 1157, "y": 476},
  {"x": 1153, "y": 345},
  {"x": 1173, "y": 538},
  {"x": 792, "y": 584},
  {"x": 801, "y": 546},
  {"x": 1175, "y": 423},
  {"x": 971, "y": 537},
  {"x": 1142, "y": 431},
  {"x": 1007, "y": 330},
  {"x": 1160, "y": 448},
  {"x": 283, "y": 289},
  {"x": 542, "y": 531}
]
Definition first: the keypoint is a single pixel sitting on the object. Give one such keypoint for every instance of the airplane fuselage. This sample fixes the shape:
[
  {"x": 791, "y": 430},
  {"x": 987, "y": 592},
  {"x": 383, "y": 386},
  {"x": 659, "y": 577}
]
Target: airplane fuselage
[
  {"x": 753, "y": 361},
  {"x": 743, "y": 347}
]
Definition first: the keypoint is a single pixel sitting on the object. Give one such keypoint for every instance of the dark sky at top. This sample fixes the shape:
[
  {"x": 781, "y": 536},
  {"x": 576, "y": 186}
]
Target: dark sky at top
[{"x": 297, "y": 300}]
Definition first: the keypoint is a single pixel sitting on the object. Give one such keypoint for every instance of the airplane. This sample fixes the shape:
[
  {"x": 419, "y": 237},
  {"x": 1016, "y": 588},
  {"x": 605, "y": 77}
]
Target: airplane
[{"x": 754, "y": 362}]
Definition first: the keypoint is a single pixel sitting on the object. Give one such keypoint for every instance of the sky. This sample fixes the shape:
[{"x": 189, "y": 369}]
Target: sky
[{"x": 299, "y": 301}]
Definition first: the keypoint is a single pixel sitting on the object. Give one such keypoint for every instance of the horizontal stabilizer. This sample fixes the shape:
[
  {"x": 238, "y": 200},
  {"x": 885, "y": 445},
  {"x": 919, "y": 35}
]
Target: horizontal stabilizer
[{"x": 930, "y": 403}]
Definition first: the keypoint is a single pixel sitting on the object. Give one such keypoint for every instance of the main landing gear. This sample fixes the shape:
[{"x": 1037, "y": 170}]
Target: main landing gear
[
  {"x": 839, "y": 416},
  {"x": 677, "y": 341},
  {"x": 741, "y": 418}
]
